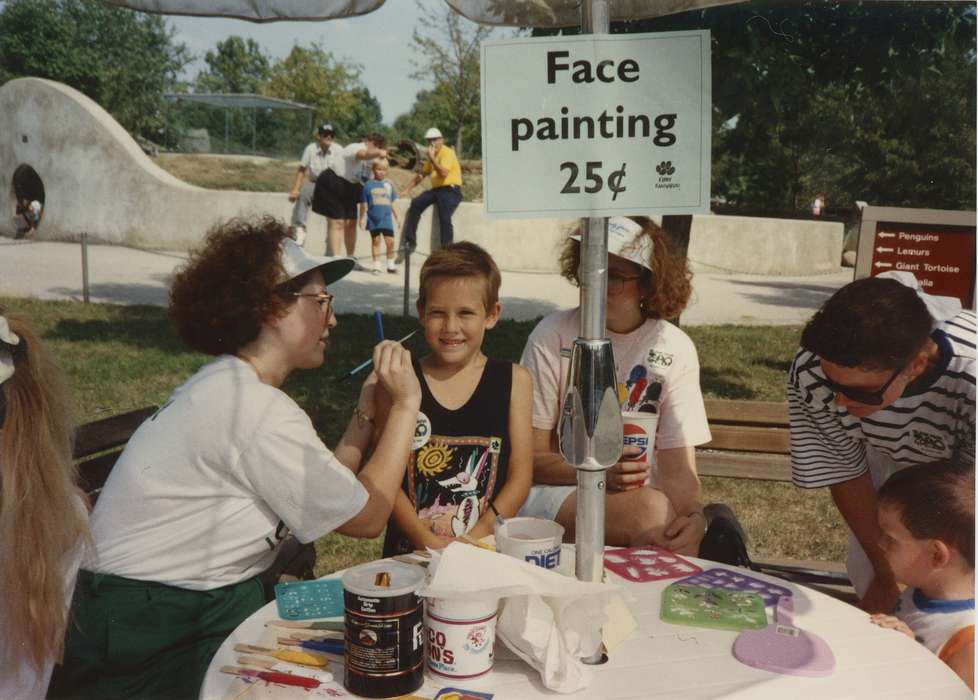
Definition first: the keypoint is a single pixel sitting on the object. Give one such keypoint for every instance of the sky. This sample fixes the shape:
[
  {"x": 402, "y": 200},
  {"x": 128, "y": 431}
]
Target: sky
[{"x": 379, "y": 41}]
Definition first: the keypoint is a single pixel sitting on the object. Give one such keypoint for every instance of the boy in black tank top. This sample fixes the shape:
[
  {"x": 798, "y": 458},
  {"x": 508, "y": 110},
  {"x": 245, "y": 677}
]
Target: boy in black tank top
[{"x": 473, "y": 443}]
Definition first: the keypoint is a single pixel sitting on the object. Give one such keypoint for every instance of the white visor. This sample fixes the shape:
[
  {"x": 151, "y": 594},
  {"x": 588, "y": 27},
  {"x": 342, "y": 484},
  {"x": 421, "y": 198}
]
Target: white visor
[
  {"x": 622, "y": 233},
  {"x": 297, "y": 261}
]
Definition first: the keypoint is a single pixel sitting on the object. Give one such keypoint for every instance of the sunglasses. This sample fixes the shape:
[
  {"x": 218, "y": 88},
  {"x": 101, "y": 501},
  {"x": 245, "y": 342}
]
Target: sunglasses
[{"x": 863, "y": 396}]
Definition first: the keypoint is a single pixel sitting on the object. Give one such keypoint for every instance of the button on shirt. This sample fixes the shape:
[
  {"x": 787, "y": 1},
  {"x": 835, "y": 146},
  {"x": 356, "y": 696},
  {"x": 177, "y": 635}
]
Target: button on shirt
[{"x": 316, "y": 161}]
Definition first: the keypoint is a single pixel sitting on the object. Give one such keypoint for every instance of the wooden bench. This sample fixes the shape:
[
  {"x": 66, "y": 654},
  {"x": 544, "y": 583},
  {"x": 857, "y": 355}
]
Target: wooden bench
[{"x": 751, "y": 440}]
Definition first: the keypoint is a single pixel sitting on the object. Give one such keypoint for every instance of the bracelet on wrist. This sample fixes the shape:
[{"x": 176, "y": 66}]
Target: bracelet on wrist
[{"x": 363, "y": 419}]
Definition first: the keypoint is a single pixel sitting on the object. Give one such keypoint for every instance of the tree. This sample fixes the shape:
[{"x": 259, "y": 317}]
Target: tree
[
  {"x": 235, "y": 66},
  {"x": 447, "y": 51},
  {"x": 860, "y": 100},
  {"x": 123, "y": 60},
  {"x": 312, "y": 75}
]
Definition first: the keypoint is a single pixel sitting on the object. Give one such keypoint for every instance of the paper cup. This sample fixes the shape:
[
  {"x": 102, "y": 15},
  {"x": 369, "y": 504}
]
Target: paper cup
[
  {"x": 639, "y": 431},
  {"x": 531, "y": 539},
  {"x": 460, "y": 635}
]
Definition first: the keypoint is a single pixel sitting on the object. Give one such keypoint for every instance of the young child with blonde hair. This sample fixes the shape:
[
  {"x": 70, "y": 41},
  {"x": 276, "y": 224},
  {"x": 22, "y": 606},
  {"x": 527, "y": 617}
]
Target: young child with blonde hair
[
  {"x": 43, "y": 513},
  {"x": 927, "y": 516}
]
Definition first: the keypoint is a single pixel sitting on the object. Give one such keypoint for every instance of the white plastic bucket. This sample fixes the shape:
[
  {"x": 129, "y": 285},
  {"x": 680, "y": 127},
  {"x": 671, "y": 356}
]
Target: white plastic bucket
[
  {"x": 460, "y": 636},
  {"x": 531, "y": 539}
]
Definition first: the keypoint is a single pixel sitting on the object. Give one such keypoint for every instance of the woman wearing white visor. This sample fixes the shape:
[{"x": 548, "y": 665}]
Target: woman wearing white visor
[
  {"x": 658, "y": 372},
  {"x": 209, "y": 485}
]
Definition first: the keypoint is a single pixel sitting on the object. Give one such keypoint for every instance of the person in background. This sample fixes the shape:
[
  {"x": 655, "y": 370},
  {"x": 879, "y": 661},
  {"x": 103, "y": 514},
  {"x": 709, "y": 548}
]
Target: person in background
[
  {"x": 43, "y": 513},
  {"x": 339, "y": 195},
  {"x": 29, "y": 212},
  {"x": 208, "y": 487},
  {"x": 317, "y": 158},
  {"x": 657, "y": 370},
  {"x": 445, "y": 192},
  {"x": 377, "y": 214},
  {"x": 926, "y": 515},
  {"x": 473, "y": 448},
  {"x": 884, "y": 379}
]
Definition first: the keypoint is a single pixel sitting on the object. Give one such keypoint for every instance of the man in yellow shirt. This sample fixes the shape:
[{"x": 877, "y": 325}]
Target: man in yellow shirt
[{"x": 445, "y": 192}]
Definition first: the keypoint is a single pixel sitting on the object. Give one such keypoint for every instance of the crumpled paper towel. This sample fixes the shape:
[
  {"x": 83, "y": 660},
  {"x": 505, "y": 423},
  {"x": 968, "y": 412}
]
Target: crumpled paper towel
[{"x": 549, "y": 620}]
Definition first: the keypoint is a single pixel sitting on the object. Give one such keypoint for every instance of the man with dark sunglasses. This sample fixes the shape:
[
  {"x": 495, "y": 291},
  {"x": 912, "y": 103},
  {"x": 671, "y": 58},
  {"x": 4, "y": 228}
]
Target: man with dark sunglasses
[{"x": 885, "y": 378}]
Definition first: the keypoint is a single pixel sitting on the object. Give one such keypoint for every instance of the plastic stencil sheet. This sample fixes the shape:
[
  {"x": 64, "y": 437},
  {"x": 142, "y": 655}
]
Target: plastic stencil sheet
[
  {"x": 643, "y": 564},
  {"x": 712, "y": 607},
  {"x": 305, "y": 600},
  {"x": 735, "y": 581}
]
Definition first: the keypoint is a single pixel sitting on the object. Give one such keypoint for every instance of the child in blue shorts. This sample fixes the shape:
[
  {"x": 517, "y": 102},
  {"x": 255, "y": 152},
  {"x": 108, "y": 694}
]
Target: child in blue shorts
[{"x": 377, "y": 214}]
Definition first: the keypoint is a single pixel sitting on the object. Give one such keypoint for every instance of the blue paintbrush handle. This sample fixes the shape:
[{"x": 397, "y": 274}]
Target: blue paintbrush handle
[
  {"x": 330, "y": 646},
  {"x": 379, "y": 324}
]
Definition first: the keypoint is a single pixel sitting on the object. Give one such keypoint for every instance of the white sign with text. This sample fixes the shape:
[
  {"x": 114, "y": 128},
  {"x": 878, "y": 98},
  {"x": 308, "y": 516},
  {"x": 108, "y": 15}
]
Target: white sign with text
[{"x": 597, "y": 125}]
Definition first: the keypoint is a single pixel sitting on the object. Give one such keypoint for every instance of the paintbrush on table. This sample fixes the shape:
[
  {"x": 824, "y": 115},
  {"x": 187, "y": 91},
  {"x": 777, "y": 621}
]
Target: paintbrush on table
[
  {"x": 285, "y": 667},
  {"x": 292, "y": 656},
  {"x": 324, "y": 625},
  {"x": 330, "y": 646},
  {"x": 272, "y": 676}
]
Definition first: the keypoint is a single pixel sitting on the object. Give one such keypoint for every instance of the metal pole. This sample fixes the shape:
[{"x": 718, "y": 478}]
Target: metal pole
[
  {"x": 254, "y": 129},
  {"x": 84, "y": 252},
  {"x": 226, "y": 128},
  {"x": 407, "y": 282}
]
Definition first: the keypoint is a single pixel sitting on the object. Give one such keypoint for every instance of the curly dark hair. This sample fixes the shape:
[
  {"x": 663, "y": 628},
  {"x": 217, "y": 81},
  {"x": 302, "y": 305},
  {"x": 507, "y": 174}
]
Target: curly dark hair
[
  {"x": 666, "y": 290},
  {"x": 873, "y": 323},
  {"x": 231, "y": 285},
  {"x": 936, "y": 502}
]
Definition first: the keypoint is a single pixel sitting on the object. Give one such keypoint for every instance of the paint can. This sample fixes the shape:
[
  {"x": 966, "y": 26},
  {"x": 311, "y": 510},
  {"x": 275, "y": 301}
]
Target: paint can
[
  {"x": 460, "y": 636},
  {"x": 384, "y": 629}
]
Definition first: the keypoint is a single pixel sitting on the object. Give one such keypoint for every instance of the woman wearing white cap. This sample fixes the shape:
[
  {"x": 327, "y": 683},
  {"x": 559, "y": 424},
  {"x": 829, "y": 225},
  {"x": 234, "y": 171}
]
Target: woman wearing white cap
[
  {"x": 208, "y": 486},
  {"x": 445, "y": 192},
  {"x": 658, "y": 372}
]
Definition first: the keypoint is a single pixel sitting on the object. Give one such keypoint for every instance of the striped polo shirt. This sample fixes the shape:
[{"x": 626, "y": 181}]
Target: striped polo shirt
[{"x": 926, "y": 424}]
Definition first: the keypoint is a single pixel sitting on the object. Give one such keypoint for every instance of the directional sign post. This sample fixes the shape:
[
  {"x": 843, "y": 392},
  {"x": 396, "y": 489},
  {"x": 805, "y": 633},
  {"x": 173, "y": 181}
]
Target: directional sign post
[
  {"x": 597, "y": 125},
  {"x": 937, "y": 246}
]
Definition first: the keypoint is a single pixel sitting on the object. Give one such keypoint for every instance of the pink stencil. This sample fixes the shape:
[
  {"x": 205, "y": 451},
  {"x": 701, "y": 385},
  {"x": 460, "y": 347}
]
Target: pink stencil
[
  {"x": 644, "y": 564},
  {"x": 783, "y": 648}
]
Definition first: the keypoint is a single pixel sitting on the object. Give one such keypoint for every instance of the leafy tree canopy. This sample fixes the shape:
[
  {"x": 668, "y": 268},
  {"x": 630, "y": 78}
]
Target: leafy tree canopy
[
  {"x": 123, "y": 60},
  {"x": 236, "y": 65}
]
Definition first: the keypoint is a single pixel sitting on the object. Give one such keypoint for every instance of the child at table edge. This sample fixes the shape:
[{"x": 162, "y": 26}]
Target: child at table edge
[
  {"x": 927, "y": 516},
  {"x": 473, "y": 443}
]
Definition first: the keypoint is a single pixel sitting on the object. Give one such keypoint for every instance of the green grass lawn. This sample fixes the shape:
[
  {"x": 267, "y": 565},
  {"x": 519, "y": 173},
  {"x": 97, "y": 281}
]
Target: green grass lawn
[{"x": 119, "y": 358}]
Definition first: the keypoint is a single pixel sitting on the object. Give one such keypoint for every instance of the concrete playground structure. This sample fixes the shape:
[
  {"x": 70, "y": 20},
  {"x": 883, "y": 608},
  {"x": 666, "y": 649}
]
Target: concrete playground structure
[{"x": 98, "y": 181}]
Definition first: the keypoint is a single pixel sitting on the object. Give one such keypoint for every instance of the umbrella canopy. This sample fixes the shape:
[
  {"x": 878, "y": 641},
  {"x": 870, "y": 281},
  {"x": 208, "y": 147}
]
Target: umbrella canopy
[{"x": 513, "y": 13}]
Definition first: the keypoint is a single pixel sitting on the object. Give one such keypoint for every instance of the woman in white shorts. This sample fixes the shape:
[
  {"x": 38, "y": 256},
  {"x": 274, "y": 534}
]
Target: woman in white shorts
[{"x": 658, "y": 372}]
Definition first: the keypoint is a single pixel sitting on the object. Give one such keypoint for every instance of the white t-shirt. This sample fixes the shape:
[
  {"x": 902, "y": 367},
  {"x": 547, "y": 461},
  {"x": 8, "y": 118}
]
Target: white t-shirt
[
  {"x": 656, "y": 366},
  {"x": 315, "y": 161},
  {"x": 933, "y": 622},
  {"x": 347, "y": 165},
  {"x": 206, "y": 487}
]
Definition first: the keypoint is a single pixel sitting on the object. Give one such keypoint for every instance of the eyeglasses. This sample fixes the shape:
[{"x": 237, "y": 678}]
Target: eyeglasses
[
  {"x": 863, "y": 396},
  {"x": 617, "y": 282},
  {"x": 325, "y": 300}
]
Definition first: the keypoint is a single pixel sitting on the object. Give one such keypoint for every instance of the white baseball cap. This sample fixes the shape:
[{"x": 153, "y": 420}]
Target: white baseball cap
[
  {"x": 432, "y": 133},
  {"x": 622, "y": 233},
  {"x": 297, "y": 261}
]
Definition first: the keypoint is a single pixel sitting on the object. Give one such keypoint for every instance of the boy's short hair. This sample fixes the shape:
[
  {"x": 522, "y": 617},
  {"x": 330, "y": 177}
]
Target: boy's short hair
[
  {"x": 936, "y": 502},
  {"x": 380, "y": 163},
  {"x": 461, "y": 259},
  {"x": 871, "y": 323}
]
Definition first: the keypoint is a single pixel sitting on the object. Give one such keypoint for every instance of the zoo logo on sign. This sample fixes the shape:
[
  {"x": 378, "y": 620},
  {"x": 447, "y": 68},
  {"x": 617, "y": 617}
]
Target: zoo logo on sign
[
  {"x": 636, "y": 436},
  {"x": 659, "y": 359}
]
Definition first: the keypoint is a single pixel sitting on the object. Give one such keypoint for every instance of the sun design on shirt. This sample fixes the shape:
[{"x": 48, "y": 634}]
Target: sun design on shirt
[{"x": 434, "y": 458}]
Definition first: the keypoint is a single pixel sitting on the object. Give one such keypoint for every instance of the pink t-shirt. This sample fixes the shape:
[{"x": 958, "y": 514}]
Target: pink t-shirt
[{"x": 656, "y": 366}]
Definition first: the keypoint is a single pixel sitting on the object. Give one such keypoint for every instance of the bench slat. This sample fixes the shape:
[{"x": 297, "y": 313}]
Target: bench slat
[
  {"x": 749, "y": 439},
  {"x": 98, "y": 436},
  {"x": 739, "y": 465},
  {"x": 773, "y": 413},
  {"x": 92, "y": 473}
]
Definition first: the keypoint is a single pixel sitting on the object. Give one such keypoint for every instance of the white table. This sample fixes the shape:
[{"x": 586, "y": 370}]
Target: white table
[{"x": 661, "y": 660}]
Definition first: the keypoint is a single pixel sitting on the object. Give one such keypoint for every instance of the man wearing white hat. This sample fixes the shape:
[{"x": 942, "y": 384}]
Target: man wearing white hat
[
  {"x": 884, "y": 379},
  {"x": 445, "y": 192}
]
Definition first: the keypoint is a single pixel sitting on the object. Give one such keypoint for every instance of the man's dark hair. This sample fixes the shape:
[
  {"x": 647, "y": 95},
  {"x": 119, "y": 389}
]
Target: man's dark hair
[
  {"x": 936, "y": 502},
  {"x": 377, "y": 139},
  {"x": 871, "y": 323}
]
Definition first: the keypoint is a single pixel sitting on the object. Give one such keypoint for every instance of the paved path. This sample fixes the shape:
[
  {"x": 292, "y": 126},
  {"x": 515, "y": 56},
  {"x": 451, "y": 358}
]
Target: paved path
[{"x": 118, "y": 275}]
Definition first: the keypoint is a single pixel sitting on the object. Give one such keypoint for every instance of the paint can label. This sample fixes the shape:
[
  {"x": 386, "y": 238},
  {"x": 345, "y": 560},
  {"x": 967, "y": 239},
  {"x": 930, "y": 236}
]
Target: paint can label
[{"x": 460, "y": 637}]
